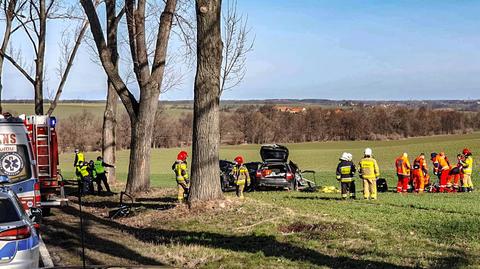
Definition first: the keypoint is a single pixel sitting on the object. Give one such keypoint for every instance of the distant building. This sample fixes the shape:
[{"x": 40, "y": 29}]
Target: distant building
[{"x": 293, "y": 110}]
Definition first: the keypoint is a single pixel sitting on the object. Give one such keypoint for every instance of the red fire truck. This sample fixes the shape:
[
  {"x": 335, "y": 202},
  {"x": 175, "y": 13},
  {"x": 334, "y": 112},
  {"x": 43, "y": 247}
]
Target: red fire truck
[
  {"x": 29, "y": 157},
  {"x": 43, "y": 138}
]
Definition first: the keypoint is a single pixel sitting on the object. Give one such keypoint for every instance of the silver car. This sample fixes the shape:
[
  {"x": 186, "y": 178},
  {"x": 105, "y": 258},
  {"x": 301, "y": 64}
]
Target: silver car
[{"x": 19, "y": 240}]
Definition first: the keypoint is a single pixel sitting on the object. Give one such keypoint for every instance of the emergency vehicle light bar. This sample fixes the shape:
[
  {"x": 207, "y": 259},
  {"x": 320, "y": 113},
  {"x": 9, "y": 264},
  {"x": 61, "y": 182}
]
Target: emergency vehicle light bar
[{"x": 53, "y": 122}]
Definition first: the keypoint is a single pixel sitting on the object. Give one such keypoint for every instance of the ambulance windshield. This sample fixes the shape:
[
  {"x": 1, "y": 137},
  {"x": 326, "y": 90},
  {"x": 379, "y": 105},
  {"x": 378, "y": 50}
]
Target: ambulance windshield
[{"x": 15, "y": 162}]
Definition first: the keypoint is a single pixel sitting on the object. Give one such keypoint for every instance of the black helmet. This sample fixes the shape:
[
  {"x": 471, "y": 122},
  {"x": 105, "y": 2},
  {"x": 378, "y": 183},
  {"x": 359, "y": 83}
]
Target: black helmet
[
  {"x": 99, "y": 158},
  {"x": 433, "y": 155}
]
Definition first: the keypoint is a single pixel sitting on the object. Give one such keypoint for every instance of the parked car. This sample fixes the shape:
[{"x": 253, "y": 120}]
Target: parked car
[
  {"x": 226, "y": 179},
  {"x": 277, "y": 171},
  {"x": 19, "y": 239}
]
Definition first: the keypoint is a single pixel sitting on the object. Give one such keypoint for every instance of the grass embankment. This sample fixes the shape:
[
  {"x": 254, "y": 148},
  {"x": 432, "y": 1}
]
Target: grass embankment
[{"x": 282, "y": 229}]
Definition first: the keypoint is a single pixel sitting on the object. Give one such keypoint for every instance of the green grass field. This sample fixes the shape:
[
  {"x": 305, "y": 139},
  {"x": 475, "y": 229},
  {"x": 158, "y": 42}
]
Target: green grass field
[
  {"x": 280, "y": 229},
  {"x": 321, "y": 156},
  {"x": 64, "y": 110}
]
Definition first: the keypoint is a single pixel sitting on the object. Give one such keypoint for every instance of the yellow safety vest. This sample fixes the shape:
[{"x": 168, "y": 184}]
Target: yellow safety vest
[
  {"x": 468, "y": 165},
  {"x": 181, "y": 172},
  {"x": 80, "y": 158},
  {"x": 369, "y": 168},
  {"x": 241, "y": 175},
  {"x": 83, "y": 170}
]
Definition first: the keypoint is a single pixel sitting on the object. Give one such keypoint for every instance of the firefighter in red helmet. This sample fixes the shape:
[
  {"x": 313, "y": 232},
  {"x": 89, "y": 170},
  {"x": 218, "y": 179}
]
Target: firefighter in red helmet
[
  {"x": 181, "y": 173},
  {"x": 241, "y": 176}
]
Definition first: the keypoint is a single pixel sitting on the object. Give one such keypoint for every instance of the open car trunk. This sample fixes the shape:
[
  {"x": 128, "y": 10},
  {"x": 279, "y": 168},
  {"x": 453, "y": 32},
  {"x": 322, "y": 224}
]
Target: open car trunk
[
  {"x": 274, "y": 171},
  {"x": 274, "y": 153}
]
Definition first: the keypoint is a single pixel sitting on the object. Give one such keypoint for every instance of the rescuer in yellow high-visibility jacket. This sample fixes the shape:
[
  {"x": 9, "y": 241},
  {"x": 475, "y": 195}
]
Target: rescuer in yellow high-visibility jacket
[
  {"x": 467, "y": 170},
  {"x": 79, "y": 157},
  {"x": 369, "y": 173},
  {"x": 85, "y": 180},
  {"x": 241, "y": 176},
  {"x": 99, "y": 167},
  {"x": 181, "y": 173}
]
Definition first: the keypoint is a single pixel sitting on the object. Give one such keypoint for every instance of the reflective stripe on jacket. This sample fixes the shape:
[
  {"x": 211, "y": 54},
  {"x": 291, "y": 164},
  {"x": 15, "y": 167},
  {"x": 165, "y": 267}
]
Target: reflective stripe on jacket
[
  {"x": 345, "y": 171},
  {"x": 180, "y": 169},
  {"x": 369, "y": 168},
  {"x": 240, "y": 173}
]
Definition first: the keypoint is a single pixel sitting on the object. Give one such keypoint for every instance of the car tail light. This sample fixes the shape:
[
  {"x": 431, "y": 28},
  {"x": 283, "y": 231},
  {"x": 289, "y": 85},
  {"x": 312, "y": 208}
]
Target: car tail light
[
  {"x": 266, "y": 172},
  {"x": 16, "y": 233},
  {"x": 259, "y": 174},
  {"x": 37, "y": 194},
  {"x": 289, "y": 176}
]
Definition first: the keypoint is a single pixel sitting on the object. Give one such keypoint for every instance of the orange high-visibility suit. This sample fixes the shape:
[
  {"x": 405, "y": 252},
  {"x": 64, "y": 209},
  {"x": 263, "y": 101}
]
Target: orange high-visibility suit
[
  {"x": 403, "y": 172},
  {"x": 420, "y": 173},
  {"x": 441, "y": 168}
]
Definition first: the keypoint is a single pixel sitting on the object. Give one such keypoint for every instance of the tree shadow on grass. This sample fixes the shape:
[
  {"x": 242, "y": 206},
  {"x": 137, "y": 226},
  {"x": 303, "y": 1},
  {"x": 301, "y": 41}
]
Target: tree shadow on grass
[
  {"x": 113, "y": 204},
  {"x": 67, "y": 237},
  {"x": 157, "y": 199},
  {"x": 268, "y": 245}
]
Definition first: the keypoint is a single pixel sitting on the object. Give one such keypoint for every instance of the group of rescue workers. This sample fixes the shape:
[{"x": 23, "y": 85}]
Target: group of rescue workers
[
  {"x": 452, "y": 178},
  {"x": 239, "y": 173},
  {"x": 88, "y": 172}
]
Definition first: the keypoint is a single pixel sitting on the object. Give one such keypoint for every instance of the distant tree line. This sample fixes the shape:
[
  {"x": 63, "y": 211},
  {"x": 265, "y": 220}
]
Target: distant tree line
[{"x": 264, "y": 124}]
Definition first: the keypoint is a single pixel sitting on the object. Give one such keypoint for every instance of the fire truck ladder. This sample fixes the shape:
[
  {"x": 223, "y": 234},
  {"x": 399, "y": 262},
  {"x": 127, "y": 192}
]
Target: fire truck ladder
[{"x": 43, "y": 142}]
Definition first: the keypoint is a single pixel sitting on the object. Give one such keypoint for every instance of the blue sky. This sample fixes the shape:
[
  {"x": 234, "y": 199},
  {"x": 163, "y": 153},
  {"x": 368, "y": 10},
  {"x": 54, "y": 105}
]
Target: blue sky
[{"x": 342, "y": 49}]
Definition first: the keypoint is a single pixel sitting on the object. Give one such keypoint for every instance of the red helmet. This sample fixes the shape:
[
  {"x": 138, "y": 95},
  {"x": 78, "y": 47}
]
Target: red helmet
[
  {"x": 182, "y": 155},
  {"x": 466, "y": 151},
  {"x": 239, "y": 160}
]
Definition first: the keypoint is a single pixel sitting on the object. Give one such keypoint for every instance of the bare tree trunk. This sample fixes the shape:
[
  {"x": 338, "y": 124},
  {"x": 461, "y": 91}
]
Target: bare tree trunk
[
  {"x": 9, "y": 13},
  {"x": 206, "y": 134},
  {"x": 39, "y": 62},
  {"x": 109, "y": 141},
  {"x": 141, "y": 147},
  {"x": 141, "y": 112},
  {"x": 109, "y": 117}
]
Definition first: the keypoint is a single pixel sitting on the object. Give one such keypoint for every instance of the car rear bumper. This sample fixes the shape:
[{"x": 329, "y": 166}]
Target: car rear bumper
[{"x": 273, "y": 182}]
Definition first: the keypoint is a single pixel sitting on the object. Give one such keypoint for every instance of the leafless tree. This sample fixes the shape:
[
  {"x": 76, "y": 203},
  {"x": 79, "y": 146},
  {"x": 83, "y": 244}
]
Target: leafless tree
[
  {"x": 67, "y": 59},
  {"x": 32, "y": 19},
  {"x": 149, "y": 80},
  {"x": 9, "y": 9},
  {"x": 109, "y": 116},
  {"x": 236, "y": 46},
  {"x": 206, "y": 133}
]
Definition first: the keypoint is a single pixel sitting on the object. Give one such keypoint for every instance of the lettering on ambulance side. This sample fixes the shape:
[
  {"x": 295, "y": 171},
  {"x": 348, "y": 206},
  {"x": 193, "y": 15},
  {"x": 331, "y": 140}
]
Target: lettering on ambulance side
[{"x": 6, "y": 139}]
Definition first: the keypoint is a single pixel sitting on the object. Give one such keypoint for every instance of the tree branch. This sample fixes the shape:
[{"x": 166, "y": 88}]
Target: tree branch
[
  {"x": 163, "y": 35},
  {"x": 14, "y": 63},
  {"x": 69, "y": 65},
  {"x": 125, "y": 95}
]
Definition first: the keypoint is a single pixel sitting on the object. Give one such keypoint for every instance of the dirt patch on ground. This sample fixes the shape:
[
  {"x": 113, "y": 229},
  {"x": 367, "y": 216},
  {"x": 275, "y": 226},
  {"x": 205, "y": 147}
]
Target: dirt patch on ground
[{"x": 320, "y": 230}]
